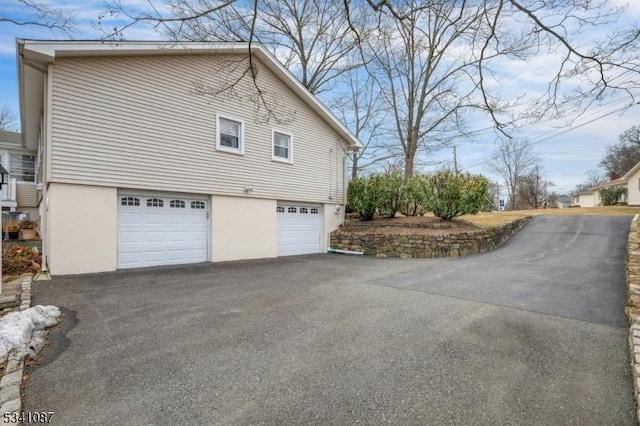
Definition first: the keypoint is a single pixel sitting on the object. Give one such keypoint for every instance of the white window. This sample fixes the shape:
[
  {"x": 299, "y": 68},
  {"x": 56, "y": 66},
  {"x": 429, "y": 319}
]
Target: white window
[
  {"x": 292, "y": 210},
  {"x": 176, "y": 204},
  {"x": 23, "y": 167},
  {"x": 304, "y": 210},
  {"x": 280, "y": 209},
  {"x": 155, "y": 202},
  {"x": 282, "y": 147},
  {"x": 130, "y": 201},
  {"x": 229, "y": 135},
  {"x": 197, "y": 205},
  {"x": 314, "y": 210}
]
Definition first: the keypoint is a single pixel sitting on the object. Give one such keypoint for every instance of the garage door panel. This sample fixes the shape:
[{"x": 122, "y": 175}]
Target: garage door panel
[
  {"x": 150, "y": 235},
  {"x": 299, "y": 231}
]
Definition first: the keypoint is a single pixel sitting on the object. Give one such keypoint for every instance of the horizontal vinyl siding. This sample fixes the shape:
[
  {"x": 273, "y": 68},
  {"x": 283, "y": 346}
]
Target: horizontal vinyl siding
[
  {"x": 26, "y": 194},
  {"x": 134, "y": 122}
]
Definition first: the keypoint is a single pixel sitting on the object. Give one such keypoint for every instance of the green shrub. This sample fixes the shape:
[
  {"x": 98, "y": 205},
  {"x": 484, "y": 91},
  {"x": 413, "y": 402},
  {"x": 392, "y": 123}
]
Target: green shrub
[
  {"x": 415, "y": 196},
  {"x": 390, "y": 189},
  {"x": 363, "y": 197},
  {"x": 451, "y": 196},
  {"x": 613, "y": 196}
]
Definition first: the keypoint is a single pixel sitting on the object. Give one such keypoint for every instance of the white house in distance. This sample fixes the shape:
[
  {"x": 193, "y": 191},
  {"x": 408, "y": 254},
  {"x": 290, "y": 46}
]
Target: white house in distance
[
  {"x": 632, "y": 179},
  {"x": 152, "y": 153}
]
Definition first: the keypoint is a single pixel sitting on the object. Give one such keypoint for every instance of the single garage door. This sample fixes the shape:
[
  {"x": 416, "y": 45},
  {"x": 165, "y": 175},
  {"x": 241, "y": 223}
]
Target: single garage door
[
  {"x": 299, "y": 229},
  {"x": 161, "y": 230}
]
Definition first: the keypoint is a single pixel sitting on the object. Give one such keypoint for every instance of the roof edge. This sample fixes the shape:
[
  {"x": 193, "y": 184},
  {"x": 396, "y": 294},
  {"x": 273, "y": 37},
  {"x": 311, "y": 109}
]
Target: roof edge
[{"x": 45, "y": 51}]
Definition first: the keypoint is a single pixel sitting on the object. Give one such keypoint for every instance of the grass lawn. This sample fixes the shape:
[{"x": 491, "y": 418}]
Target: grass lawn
[{"x": 487, "y": 220}]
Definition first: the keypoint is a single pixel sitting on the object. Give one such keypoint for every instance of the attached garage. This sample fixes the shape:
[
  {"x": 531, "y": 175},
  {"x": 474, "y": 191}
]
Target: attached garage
[
  {"x": 161, "y": 229},
  {"x": 299, "y": 229}
]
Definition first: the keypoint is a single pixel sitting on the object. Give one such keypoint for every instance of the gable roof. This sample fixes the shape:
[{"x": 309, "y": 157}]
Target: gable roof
[
  {"x": 616, "y": 182},
  {"x": 38, "y": 54},
  {"x": 632, "y": 171},
  {"x": 10, "y": 137}
]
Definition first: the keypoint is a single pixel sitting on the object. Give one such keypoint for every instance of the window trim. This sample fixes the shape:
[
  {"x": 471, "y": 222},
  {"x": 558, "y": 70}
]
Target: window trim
[
  {"x": 219, "y": 147},
  {"x": 274, "y": 157}
]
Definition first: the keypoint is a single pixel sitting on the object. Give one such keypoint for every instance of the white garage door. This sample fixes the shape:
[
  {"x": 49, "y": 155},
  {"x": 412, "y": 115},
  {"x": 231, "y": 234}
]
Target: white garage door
[
  {"x": 299, "y": 229},
  {"x": 161, "y": 230}
]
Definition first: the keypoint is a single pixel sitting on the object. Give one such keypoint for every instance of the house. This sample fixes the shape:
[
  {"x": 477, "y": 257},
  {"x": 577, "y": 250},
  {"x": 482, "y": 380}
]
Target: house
[
  {"x": 156, "y": 153},
  {"x": 20, "y": 193},
  {"x": 632, "y": 177},
  {"x": 593, "y": 196},
  {"x": 563, "y": 201},
  {"x": 584, "y": 198}
]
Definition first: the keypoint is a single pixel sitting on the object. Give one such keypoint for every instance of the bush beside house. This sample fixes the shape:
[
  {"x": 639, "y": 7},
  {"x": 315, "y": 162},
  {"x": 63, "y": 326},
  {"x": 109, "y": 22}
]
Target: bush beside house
[{"x": 444, "y": 193}]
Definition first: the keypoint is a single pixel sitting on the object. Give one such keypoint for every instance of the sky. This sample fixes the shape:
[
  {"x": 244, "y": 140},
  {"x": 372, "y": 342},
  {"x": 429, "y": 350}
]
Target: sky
[{"x": 567, "y": 152}]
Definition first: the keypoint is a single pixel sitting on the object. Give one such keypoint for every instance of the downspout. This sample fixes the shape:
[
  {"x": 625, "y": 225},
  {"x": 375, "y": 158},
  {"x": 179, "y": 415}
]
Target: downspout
[{"x": 45, "y": 166}]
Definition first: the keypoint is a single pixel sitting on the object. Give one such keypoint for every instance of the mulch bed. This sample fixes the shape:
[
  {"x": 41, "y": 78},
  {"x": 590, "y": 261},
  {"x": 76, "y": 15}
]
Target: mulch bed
[{"x": 420, "y": 225}]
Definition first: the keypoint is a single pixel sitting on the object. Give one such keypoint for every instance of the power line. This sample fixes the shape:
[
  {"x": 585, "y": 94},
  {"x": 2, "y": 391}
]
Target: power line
[{"x": 527, "y": 145}]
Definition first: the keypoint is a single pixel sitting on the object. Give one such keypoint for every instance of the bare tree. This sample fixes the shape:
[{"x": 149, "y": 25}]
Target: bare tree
[
  {"x": 310, "y": 37},
  {"x": 363, "y": 113},
  {"x": 512, "y": 161},
  {"x": 7, "y": 118},
  {"x": 419, "y": 81},
  {"x": 434, "y": 61},
  {"x": 621, "y": 157},
  {"x": 39, "y": 14},
  {"x": 594, "y": 178},
  {"x": 533, "y": 188}
]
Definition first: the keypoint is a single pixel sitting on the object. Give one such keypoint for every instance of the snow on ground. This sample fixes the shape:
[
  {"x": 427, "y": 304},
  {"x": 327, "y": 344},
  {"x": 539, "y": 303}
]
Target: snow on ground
[{"x": 24, "y": 331}]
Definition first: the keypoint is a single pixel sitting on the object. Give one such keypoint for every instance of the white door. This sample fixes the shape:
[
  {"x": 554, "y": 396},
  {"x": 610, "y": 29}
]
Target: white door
[
  {"x": 161, "y": 230},
  {"x": 299, "y": 229}
]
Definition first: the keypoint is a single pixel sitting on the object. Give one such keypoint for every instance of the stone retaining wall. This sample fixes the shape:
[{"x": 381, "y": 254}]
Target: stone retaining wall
[
  {"x": 633, "y": 305},
  {"x": 442, "y": 244}
]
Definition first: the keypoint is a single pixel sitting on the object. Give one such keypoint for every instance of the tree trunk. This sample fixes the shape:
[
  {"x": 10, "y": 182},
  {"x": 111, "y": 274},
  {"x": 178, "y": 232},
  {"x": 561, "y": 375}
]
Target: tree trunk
[
  {"x": 354, "y": 166},
  {"x": 408, "y": 166}
]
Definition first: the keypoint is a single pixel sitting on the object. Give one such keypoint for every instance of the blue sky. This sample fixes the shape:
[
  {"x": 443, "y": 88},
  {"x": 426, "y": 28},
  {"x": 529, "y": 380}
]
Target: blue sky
[{"x": 567, "y": 153}]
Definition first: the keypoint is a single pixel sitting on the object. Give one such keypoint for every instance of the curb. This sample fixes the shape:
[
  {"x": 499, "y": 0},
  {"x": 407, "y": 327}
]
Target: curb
[{"x": 11, "y": 382}]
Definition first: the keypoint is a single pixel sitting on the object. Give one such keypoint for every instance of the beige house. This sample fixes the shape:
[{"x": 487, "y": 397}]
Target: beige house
[
  {"x": 592, "y": 196},
  {"x": 585, "y": 199},
  {"x": 20, "y": 193},
  {"x": 151, "y": 153},
  {"x": 632, "y": 177}
]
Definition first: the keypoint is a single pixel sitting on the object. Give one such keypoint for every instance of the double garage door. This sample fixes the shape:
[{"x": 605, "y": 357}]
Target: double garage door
[{"x": 161, "y": 229}]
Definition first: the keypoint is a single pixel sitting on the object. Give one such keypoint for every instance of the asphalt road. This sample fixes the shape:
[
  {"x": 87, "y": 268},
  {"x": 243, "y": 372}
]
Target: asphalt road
[{"x": 532, "y": 333}]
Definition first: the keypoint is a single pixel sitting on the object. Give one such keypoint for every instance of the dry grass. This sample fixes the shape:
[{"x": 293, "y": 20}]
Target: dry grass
[{"x": 487, "y": 220}]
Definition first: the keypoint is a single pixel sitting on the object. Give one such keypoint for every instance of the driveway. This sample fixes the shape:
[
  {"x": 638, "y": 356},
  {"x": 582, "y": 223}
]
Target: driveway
[{"x": 532, "y": 333}]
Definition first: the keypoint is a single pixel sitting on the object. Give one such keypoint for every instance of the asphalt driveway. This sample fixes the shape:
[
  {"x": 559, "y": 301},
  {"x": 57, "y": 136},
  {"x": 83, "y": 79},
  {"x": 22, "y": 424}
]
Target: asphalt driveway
[{"x": 532, "y": 333}]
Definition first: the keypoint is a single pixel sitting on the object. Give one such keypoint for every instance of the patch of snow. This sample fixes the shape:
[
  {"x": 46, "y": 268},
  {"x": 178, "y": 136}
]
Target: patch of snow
[{"x": 23, "y": 332}]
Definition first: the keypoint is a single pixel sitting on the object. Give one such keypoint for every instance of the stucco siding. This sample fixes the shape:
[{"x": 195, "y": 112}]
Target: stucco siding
[
  {"x": 243, "y": 228},
  {"x": 137, "y": 122},
  {"x": 77, "y": 242},
  {"x": 333, "y": 217}
]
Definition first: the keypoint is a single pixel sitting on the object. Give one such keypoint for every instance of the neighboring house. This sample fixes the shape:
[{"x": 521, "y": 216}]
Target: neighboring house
[
  {"x": 619, "y": 182},
  {"x": 152, "y": 153},
  {"x": 20, "y": 193},
  {"x": 584, "y": 199},
  {"x": 632, "y": 177},
  {"x": 592, "y": 196},
  {"x": 563, "y": 201}
]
